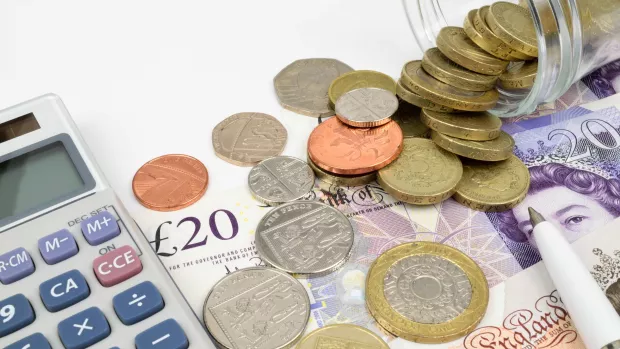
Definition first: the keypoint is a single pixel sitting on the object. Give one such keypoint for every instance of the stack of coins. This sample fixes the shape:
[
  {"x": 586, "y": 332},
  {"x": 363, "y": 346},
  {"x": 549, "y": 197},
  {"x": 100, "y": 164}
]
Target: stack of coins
[
  {"x": 455, "y": 84},
  {"x": 348, "y": 149}
]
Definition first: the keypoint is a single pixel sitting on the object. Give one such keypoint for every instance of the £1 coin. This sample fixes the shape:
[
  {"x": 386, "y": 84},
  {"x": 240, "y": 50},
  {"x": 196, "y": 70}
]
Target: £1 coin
[
  {"x": 497, "y": 149},
  {"x": 456, "y": 45},
  {"x": 493, "y": 186},
  {"x": 423, "y": 174},
  {"x": 359, "y": 79},
  {"x": 480, "y": 126},
  {"x": 443, "y": 69},
  {"x": 416, "y": 79},
  {"x": 342, "y": 336},
  {"x": 415, "y": 99}
]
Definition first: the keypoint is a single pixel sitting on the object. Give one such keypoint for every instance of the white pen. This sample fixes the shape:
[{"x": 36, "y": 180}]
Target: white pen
[{"x": 594, "y": 317}]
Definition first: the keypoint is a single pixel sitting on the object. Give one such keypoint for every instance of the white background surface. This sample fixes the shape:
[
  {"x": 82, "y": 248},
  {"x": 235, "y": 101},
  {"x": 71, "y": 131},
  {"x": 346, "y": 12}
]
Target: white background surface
[{"x": 147, "y": 78}]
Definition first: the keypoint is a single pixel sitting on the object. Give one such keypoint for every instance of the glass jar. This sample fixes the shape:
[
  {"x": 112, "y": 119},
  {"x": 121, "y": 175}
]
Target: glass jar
[{"x": 574, "y": 38}]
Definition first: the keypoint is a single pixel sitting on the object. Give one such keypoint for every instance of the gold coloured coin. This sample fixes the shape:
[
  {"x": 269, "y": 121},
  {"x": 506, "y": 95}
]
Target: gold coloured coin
[
  {"x": 423, "y": 174},
  {"x": 420, "y": 82},
  {"x": 497, "y": 149},
  {"x": 408, "y": 118},
  {"x": 426, "y": 292},
  {"x": 519, "y": 75},
  {"x": 514, "y": 25},
  {"x": 501, "y": 51},
  {"x": 443, "y": 69},
  {"x": 414, "y": 99},
  {"x": 342, "y": 336},
  {"x": 501, "y": 48},
  {"x": 341, "y": 180},
  {"x": 456, "y": 45},
  {"x": 359, "y": 79},
  {"x": 493, "y": 186},
  {"x": 480, "y": 126}
]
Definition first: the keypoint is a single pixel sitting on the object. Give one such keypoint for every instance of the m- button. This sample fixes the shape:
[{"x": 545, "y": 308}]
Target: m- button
[
  {"x": 117, "y": 266},
  {"x": 100, "y": 228}
]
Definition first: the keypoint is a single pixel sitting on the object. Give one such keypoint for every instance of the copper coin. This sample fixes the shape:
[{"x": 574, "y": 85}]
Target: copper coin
[
  {"x": 170, "y": 182},
  {"x": 245, "y": 139},
  {"x": 342, "y": 149}
]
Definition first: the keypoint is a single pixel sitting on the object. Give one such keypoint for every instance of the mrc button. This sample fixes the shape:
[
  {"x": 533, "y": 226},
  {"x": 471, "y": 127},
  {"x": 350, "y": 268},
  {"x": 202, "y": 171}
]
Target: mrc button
[
  {"x": 100, "y": 228},
  {"x": 15, "y": 265},
  {"x": 117, "y": 266}
]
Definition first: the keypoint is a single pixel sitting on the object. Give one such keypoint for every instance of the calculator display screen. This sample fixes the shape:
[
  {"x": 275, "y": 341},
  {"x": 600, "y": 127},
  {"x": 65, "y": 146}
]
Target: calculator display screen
[{"x": 36, "y": 179}]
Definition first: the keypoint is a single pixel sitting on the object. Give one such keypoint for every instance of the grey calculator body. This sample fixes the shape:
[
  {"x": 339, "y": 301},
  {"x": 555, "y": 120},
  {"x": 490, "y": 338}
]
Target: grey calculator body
[{"x": 54, "y": 184}]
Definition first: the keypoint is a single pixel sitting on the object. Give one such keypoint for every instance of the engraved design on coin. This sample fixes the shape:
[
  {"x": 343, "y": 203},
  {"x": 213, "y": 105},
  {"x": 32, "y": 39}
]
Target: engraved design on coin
[
  {"x": 424, "y": 166},
  {"x": 302, "y": 86},
  {"x": 305, "y": 237},
  {"x": 170, "y": 182},
  {"x": 245, "y": 139},
  {"x": 419, "y": 72},
  {"x": 427, "y": 289},
  {"x": 259, "y": 308},
  {"x": 326, "y": 342},
  {"x": 366, "y": 107},
  {"x": 280, "y": 179}
]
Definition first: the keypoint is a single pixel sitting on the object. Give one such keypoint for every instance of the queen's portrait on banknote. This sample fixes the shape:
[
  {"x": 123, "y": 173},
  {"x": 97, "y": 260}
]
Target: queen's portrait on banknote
[
  {"x": 575, "y": 200},
  {"x": 605, "y": 82}
]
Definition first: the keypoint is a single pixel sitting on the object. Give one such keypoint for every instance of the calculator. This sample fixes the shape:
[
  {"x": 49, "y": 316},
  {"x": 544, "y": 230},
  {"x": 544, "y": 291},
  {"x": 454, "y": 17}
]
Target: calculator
[{"x": 75, "y": 269}]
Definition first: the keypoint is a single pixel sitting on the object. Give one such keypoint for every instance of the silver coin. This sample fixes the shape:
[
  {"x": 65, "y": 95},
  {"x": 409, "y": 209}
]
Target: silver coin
[
  {"x": 366, "y": 107},
  {"x": 259, "y": 308},
  {"x": 245, "y": 139},
  {"x": 280, "y": 179},
  {"x": 427, "y": 289},
  {"x": 305, "y": 237},
  {"x": 302, "y": 86}
]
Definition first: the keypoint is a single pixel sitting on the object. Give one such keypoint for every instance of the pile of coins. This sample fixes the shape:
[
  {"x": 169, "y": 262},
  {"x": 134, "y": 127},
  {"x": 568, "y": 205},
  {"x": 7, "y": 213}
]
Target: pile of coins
[{"x": 424, "y": 138}]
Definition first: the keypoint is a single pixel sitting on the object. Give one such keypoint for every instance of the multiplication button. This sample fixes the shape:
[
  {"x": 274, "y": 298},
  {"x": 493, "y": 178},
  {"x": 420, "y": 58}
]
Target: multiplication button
[
  {"x": 165, "y": 335},
  {"x": 138, "y": 303},
  {"x": 84, "y": 329}
]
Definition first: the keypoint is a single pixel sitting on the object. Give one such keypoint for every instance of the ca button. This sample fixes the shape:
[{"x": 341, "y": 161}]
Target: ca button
[
  {"x": 117, "y": 266},
  {"x": 64, "y": 290}
]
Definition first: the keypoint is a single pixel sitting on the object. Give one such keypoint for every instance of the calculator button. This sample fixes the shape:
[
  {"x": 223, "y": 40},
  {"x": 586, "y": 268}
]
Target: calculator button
[
  {"x": 15, "y": 265},
  {"x": 57, "y": 247},
  {"x": 138, "y": 303},
  {"x": 117, "y": 266},
  {"x": 64, "y": 290},
  {"x": 35, "y": 341},
  {"x": 100, "y": 228},
  {"x": 15, "y": 314},
  {"x": 83, "y": 329},
  {"x": 165, "y": 335}
]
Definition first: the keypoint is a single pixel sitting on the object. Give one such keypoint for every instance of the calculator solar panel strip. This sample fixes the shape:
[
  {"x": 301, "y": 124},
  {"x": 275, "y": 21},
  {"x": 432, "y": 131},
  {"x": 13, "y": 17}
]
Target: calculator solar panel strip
[{"x": 75, "y": 270}]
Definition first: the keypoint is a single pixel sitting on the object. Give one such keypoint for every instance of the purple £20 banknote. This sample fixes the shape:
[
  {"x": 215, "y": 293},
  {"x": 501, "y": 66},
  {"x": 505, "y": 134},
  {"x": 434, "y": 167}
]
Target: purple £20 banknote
[{"x": 574, "y": 161}]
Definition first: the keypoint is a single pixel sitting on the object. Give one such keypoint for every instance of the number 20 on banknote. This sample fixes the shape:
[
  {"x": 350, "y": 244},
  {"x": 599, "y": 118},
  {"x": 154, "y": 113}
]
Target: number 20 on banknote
[{"x": 198, "y": 238}]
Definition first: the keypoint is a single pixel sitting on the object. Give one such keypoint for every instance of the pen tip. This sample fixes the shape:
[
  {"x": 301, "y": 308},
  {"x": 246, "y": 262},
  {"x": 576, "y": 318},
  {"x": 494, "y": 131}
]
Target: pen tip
[{"x": 535, "y": 217}]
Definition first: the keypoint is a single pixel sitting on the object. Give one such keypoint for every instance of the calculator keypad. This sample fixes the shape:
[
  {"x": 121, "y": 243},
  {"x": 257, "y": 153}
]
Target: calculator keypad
[
  {"x": 65, "y": 294},
  {"x": 57, "y": 247},
  {"x": 138, "y": 303},
  {"x": 64, "y": 291},
  {"x": 15, "y": 314},
  {"x": 84, "y": 329},
  {"x": 100, "y": 228},
  {"x": 15, "y": 265},
  {"x": 117, "y": 266}
]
